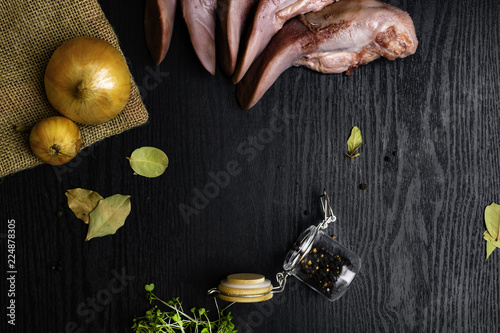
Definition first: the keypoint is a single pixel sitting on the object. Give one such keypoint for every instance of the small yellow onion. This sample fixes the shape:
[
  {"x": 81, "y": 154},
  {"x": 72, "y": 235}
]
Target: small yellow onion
[
  {"x": 55, "y": 140},
  {"x": 87, "y": 80}
]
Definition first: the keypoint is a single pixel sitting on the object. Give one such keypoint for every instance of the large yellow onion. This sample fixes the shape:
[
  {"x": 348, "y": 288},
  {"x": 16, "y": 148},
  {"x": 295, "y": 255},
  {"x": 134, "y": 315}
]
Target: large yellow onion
[
  {"x": 87, "y": 80},
  {"x": 55, "y": 140}
]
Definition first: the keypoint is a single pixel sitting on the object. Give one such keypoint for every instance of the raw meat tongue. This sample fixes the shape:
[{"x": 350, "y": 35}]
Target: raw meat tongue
[
  {"x": 231, "y": 19},
  {"x": 159, "y": 18},
  {"x": 339, "y": 38},
  {"x": 269, "y": 18},
  {"x": 200, "y": 20}
]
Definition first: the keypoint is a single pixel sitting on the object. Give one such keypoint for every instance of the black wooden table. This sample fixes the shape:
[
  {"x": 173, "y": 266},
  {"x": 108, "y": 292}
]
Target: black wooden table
[{"x": 417, "y": 226}]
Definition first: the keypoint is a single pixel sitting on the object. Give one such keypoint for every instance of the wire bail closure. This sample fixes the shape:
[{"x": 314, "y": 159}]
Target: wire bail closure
[{"x": 327, "y": 209}]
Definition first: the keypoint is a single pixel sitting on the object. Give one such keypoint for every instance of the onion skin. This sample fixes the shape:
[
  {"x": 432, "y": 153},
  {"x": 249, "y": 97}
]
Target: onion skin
[
  {"x": 55, "y": 140},
  {"x": 87, "y": 80}
]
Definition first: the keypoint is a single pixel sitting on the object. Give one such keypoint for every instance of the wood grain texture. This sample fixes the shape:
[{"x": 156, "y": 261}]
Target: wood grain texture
[{"x": 418, "y": 225}]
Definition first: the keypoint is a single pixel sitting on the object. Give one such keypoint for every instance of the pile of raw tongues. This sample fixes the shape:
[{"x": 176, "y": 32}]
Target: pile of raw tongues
[{"x": 254, "y": 41}]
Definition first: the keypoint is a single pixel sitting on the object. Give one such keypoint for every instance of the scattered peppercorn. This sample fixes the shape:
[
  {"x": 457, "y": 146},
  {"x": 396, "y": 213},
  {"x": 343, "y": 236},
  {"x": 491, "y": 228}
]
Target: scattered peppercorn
[
  {"x": 395, "y": 153},
  {"x": 306, "y": 212},
  {"x": 387, "y": 158},
  {"x": 362, "y": 186},
  {"x": 59, "y": 214}
]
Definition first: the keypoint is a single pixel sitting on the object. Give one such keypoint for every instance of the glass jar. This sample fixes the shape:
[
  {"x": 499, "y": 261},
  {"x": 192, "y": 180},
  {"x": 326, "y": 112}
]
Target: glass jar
[
  {"x": 322, "y": 263},
  {"x": 316, "y": 259}
]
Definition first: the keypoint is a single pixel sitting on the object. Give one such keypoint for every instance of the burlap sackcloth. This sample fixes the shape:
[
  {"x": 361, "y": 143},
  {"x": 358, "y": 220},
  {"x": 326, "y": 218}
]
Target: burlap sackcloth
[{"x": 30, "y": 31}]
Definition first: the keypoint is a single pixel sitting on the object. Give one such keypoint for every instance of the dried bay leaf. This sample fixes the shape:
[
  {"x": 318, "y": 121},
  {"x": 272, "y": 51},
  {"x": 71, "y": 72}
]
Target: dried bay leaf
[
  {"x": 491, "y": 243},
  {"x": 148, "y": 161},
  {"x": 108, "y": 216},
  {"x": 82, "y": 202},
  {"x": 354, "y": 142},
  {"x": 489, "y": 249},
  {"x": 492, "y": 220},
  {"x": 488, "y": 237},
  {"x": 492, "y": 233}
]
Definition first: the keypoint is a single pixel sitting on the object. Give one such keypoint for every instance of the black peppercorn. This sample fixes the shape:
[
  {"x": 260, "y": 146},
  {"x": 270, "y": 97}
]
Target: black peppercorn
[{"x": 320, "y": 275}]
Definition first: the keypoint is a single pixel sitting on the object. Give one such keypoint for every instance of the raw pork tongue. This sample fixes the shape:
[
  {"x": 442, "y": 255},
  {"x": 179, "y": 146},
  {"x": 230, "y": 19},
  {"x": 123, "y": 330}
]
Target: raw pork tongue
[
  {"x": 159, "y": 18},
  {"x": 231, "y": 18},
  {"x": 339, "y": 38},
  {"x": 200, "y": 20},
  {"x": 269, "y": 18}
]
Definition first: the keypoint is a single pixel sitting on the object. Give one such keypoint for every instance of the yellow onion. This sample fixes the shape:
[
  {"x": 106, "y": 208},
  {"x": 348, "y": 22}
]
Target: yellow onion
[
  {"x": 55, "y": 140},
  {"x": 87, "y": 80}
]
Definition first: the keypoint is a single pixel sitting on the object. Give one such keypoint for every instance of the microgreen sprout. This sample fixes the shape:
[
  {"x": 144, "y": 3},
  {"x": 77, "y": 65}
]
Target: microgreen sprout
[{"x": 175, "y": 319}]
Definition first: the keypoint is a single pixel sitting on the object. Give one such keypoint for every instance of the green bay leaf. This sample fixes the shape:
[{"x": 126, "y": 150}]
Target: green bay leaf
[
  {"x": 148, "y": 161},
  {"x": 354, "y": 142},
  {"x": 109, "y": 215},
  {"x": 82, "y": 202}
]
